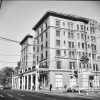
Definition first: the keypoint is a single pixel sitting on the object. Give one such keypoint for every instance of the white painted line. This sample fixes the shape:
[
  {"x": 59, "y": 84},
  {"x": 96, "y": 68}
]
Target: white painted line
[
  {"x": 20, "y": 95},
  {"x": 1, "y": 95},
  {"x": 41, "y": 96},
  {"x": 19, "y": 99},
  {"x": 9, "y": 95}
]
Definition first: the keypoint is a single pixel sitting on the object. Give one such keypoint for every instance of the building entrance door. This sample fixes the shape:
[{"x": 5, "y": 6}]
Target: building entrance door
[{"x": 58, "y": 81}]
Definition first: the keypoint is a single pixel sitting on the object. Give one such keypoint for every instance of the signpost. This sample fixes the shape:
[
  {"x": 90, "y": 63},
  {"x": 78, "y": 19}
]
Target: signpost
[{"x": 84, "y": 60}]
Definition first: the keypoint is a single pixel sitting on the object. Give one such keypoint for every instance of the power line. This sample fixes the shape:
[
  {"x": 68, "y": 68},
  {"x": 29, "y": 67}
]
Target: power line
[
  {"x": 44, "y": 47},
  {"x": 7, "y": 55},
  {"x": 6, "y": 39},
  {"x": 8, "y": 62}
]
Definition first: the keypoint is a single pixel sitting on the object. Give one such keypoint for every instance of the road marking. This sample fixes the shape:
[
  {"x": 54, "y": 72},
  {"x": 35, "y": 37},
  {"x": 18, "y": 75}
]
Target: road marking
[
  {"x": 1, "y": 95},
  {"x": 41, "y": 96},
  {"x": 19, "y": 99},
  {"x": 20, "y": 94},
  {"x": 9, "y": 95}
]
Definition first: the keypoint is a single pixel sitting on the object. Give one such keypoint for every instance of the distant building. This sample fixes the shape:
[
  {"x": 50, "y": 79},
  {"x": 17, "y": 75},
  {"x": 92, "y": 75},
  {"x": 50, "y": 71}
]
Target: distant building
[
  {"x": 61, "y": 40},
  {"x": 21, "y": 78}
]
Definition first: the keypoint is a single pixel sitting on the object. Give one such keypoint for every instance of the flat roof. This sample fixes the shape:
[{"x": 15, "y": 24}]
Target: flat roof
[
  {"x": 25, "y": 38},
  {"x": 60, "y": 15}
]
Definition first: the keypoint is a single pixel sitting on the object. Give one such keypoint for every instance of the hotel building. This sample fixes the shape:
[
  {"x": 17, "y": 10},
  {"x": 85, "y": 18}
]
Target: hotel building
[{"x": 60, "y": 42}]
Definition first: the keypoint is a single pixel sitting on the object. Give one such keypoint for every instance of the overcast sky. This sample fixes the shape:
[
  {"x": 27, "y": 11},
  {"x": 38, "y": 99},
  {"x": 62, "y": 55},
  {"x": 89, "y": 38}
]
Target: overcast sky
[{"x": 18, "y": 17}]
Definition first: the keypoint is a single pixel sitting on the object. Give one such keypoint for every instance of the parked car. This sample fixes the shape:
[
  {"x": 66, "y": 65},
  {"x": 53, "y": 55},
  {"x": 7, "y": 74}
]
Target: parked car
[
  {"x": 6, "y": 87},
  {"x": 75, "y": 88},
  {"x": 69, "y": 89},
  {"x": 72, "y": 89}
]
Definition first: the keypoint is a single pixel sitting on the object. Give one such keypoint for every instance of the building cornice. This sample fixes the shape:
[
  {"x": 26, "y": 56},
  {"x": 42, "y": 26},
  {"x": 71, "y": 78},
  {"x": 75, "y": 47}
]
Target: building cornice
[
  {"x": 25, "y": 38},
  {"x": 60, "y": 15}
]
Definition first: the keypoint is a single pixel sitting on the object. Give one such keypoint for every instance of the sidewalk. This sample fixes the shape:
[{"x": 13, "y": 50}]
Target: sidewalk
[{"x": 90, "y": 95}]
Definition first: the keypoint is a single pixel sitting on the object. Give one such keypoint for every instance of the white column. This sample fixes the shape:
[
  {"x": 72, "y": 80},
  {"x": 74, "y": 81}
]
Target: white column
[
  {"x": 36, "y": 78},
  {"x": 36, "y": 81},
  {"x": 12, "y": 82},
  {"x": 27, "y": 82},
  {"x": 24, "y": 82},
  {"x": 19, "y": 82},
  {"x": 31, "y": 81}
]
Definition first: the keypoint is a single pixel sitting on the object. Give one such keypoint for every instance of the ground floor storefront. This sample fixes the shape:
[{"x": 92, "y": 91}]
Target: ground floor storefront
[{"x": 58, "y": 79}]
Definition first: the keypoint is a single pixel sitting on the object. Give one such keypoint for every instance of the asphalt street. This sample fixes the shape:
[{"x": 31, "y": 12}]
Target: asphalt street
[{"x": 25, "y": 95}]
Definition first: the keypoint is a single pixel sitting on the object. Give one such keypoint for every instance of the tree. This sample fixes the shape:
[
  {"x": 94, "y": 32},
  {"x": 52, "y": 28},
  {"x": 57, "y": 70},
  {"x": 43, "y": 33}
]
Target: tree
[{"x": 6, "y": 76}]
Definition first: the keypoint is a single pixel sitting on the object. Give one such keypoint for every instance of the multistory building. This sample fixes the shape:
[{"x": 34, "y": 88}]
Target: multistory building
[
  {"x": 22, "y": 79},
  {"x": 61, "y": 40}
]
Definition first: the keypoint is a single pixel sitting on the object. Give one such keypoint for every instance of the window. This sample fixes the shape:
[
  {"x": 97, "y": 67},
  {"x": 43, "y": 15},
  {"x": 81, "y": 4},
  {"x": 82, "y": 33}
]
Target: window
[
  {"x": 79, "y": 54},
  {"x": 63, "y": 23},
  {"x": 64, "y": 32},
  {"x": 71, "y": 53},
  {"x": 37, "y": 58},
  {"x": 58, "y": 64},
  {"x": 57, "y": 23},
  {"x": 34, "y": 56},
  {"x": 37, "y": 32},
  {"x": 57, "y": 33},
  {"x": 33, "y": 62},
  {"x": 93, "y": 67},
  {"x": 93, "y": 47},
  {"x": 41, "y": 55},
  {"x": 78, "y": 35},
  {"x": 41, "y": 37},
  {"x": 57, "y": 42},
  {"x": 79, "y": 44},
  {"x": 93, "y": 56},
  {"x": 84, "y": 28},
  {"x": 81, "y": 27},
  {"x": 72, "y": 65},
  {"x": 82, "y": 45},
  {"x": 46, "y": 64},
  {"x": 83, "y": 53},
  {"x": 46, "y": 44},
  {"x": 77, "y": 27},
  {"x": 37, "y": 49},
  {"x": 41, "y": 28},
  {"x": 97, "y": 69},
  {"x": 46, "y": 34},
  {"x": 64, "y": 42},
  {"x": 82, "y": 36},
  {"x": 46, "y": 25},
  {"x": 33, "y": 49},
  {"x": 71, "y": 44},
  {"x": 58, "y": 53},
  {"x": 93, "y": 39},
  {"x": 37, "y": 41},
  {"x": 87, "y": 29},
  {"x": 70, "y": 35},
  {"x": 41, "y": 47},
  {"x": 46, "y": 54},
  {"x": 64, "y": 52},
  {"x": 70, "y": 25}
]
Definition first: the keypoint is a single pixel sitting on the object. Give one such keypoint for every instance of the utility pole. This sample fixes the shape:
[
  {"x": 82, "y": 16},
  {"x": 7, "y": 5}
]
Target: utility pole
[{"x": 78, "y": 72}]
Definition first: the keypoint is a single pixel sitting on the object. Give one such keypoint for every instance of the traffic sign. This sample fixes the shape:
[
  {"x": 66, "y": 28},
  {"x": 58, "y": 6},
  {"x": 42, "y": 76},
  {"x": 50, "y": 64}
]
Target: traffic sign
[{"x": 84, "y": 59}]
